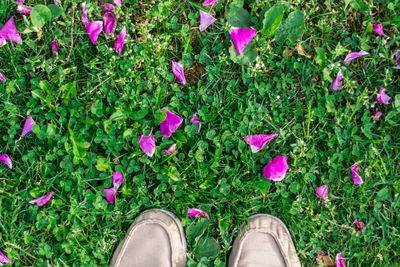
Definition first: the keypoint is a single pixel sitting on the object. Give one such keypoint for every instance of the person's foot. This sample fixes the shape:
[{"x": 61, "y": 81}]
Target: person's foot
[
  {"x": 264, "y": 242},
  {"x": 155, "y": 239}
]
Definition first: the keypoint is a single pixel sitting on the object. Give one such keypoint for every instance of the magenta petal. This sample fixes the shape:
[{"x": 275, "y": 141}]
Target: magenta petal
[
  {"x": 41, "y": 201},
  {"x": 206, "y": 20},
  {"x": 179, "y": 72},
  {"x": 360, "y": 226},
  {"x": 339, "y": 262},
  {"x": 194, "y": 213},
  {"x": 170, "y": 124},
  {"x": 117, "y": 179},
  {"x": 2, "y": 41},
  {"x": 110, "y": 194},
  {"x": 84, "y": 17},
  {"x": 56, "y": 2},
  {"x": 147, "y": 144},
  {"x": 6, "y": 160},
  {"x": 354, "y": 173},
  {"x": 107, "y": 6},
  {"x": 258, "y": 141},
  {"x": 378, "y": 29},
  {"x": 9, "y": 32},
  {"x": 382, "y": 97},
  {"x": 337, "y": 83},
  {"x": 109, "y": 22},
  {"x": 353, "y": 55},
  {"x": 210, "y": 2},
  {"x": 377, "y": 114},
  {"x": 94, "y": 29},
  {"x": 118, "y": 3},
  {"x": 120, "y": 41},
  {"x": 322, "y": 191},
  {"x": 28, "y": 126},
  {"x": 54, "y": 46},
  {"x": 20, "y": 2},
  {"x": 276, "y": 169},
  {"x": 3, "y": 258},
  {"x": 171, "y": 150},
  {"x": 241, "y": 37},
  {"x": 397, "y": 56},
  {"x": 24, "y": 10},
  {"x": 195, "y": 120},
  {"x": 2, "y": 77}
]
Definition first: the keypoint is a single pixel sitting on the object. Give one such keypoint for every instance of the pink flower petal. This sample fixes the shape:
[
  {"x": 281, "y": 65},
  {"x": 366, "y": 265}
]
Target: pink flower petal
[
  {"x": 120, "y": 41},
  {"x": 109, "y": 22},
  {"x": 56, "y": 2},
  {"x": 339, "y": 260},
  {"x": 94, "y": 29},
  {"x": 54, "y": 46},
  {"x": 118, "y": 3},
  {"x": 360, "y": 226},
  {"x": 357, "y": 179},
  {"x": 28, "y": 126},
  {"x": 377, "y": 114},
  {"x": 2, "y": 41},
  {"x": 337, "y": 83},
  {"x": 258, "y": 141},
  {"x": 210, "y": 2},
  {"x": 110, "y": 194},
  {"x": 397, "y": 56},
  {"x": 84, "y": 17},
  {"x": 117, "y": 179},
  {"x": 107, "y": 6},
  {"x": 179, "y": 72},
  {"x": 170, "y": 124},
  {"x": 276, "y": 169},
  {"x": 2, "y": 77},
  {"x": 41, "y": 201},
  {"x": 241, "y": 37},
  {"x": 194, "y": 213},
  {"x": 322, "y": 191},
  {"x": 378, "y": 29},
  {"x": 24, "y": 10},
  {"x": 20, "y": 2},
  {"x": 9, "y": 32},
  {"x": 206, "y": 20},
  {"x": 382, "y": 97},
  {"x": 353, "y": 55},
  {"x": 6, "y": 160},
  {"x": 3, "y": 258},
  {"x": 195, "y": 120},
  {"x": 171, "y": 150},
  {"x": 147, "y": 144}
]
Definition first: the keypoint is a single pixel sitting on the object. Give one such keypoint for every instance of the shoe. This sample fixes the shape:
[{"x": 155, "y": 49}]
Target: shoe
[
  {"x": 156, "y": 239},
  {"x": 264, "y": 242}
]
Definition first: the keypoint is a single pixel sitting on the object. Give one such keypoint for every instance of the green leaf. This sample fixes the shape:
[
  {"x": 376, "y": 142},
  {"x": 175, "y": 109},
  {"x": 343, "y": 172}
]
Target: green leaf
[
  {"x": 55, "y": 10},
  {"x": 159, "y": 116},
  {"x": 291, "y": 29},
  {"x": 249, "y": 55},
  {"x": 207, "y": 247},
  {"x": 272, "y": 19},
  {"x": 140, "y": 114},
  {"x": 320, "y": 59},
  {"x": 238, "y": 16},
  {"x": 68, "y": 91},
  {"x": 40, "y": 14}
]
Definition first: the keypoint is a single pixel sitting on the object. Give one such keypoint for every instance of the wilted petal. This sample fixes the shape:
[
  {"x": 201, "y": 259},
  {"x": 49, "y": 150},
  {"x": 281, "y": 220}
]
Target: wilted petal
[
  {"x": 276, "y": 169},
  {"x": 6, "y": 160},
  {"x": 24, "y": 10},
  {"x": 170, "y": 124},
  {"x": 360, "y": 226},
  {"x": 107, "y": 6},
  {"x": 110, "y": 194},
  {"x": 171, "y": 150},
  {"x": 354, "y": 173},
  {"x": 377, "y": 114},
  {"x": 179, "y": 72},
  {"x": 28, "y": 126},
  {"x": 258, "y": 141},
  {"x": 339, "y": 260},
  {"x": 194, "y": 213},
  {"x": 2, "y": 77},
  {"x": 378, "y": 29},
  {"x": 109, "y": 22},
  {"x": 118, "y": 3},
  {"x": 322, "y": 191},
  {"x": 41, "y": 201},
  {"x": 9, "y": 32},
  {"x": 397, "y": 56},
  {"x": 382, "y": 97},
  {"x": 84, "y": 17},
  {"x": 120, "y": 41},
  {"x": 241, "y": 37},
  {"x": 206, "y": 19},
  {"x": 54, "y": 46},
  {"x": 353, "y": 55},
  {"x": 210, "y": 2},
  {"x": 148, "y": 144},
  {"x": 3, "y": 258},
  {"x": 117, "y": 179},
  {"x": 337, "y": 83},
  {"x": 94, "y": 29},
  {"x": 195, "y": 120}
]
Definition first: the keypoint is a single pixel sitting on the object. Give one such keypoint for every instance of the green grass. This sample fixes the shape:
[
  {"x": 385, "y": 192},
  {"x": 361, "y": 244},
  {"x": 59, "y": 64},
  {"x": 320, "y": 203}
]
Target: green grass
[{"x": 322, "y": 132}]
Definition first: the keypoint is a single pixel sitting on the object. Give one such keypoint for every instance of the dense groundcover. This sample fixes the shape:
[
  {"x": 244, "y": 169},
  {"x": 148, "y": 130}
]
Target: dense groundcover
[{"x": 91, "y": 105}]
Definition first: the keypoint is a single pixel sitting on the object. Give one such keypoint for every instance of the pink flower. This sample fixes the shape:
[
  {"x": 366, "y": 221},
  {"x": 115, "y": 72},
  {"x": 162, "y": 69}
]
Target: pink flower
[
  {"x": 337, "y": 83},
  {"x": 9, "y": 32},
  {"x": 397, "y": 56},
  {"x": 41, "y": 201},
  {"x": 6, "y": 160},
  {"x": 147, "y": 144},
  {"x": 179, "y": 72},
  {"x": 276, "y": 169},
  {"x": 28, "y": 126},
  {"x": 357, "y": 179},
  {"x": 118, "y": 3},
  {"x": 339, "y": 260},
  {"x": 195, "y": 120},
  {"x": 194, "y": 213},
  {"x": 117, "y": 179},
  {"x": 378, "y": 29},
  {"x": 210, "y": 2},
  {"x": 258, "y": 141},
  {"x": 109, "y": 22},
  {"x": 382, "y": 97},
  {"x": 54, "y": 46},
  {"x": 110, "y": 194},
  {"x": 3, "y": 258},
  {"x": 2, "y": 77},
  {"x": 353, "y": 55},
  {"x": 120, "y": 41},
  {"x": 84, "y": 17},
  {"x": 206, "y": 20},
  {"x": 377, "y": 114},
  {"x": 171, "y": 150},
  {"x": 322, "y": 191},
  {"x": 94, "y": 29},
  {"x": 24, "y": 10},
  {"x": 107, "y": 6},
  {"x": 241, "y": 37},
  {"x": 170, "y": 124},
  {"x": 360, "y": 226}
]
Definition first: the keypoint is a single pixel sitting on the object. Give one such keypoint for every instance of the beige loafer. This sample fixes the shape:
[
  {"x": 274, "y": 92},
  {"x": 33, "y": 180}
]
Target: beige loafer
[
  {"x": 155, "y": 239},
  {"x": 264, "y": 242}
]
